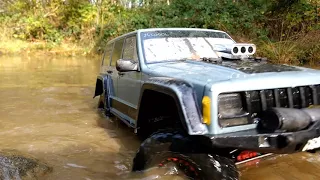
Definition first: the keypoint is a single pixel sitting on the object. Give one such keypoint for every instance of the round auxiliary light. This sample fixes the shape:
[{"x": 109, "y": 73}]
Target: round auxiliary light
[
  {"x": 235, "y": 50},
  {"x": 250, "y": 49},
  {"x": 243, "y": 49}
]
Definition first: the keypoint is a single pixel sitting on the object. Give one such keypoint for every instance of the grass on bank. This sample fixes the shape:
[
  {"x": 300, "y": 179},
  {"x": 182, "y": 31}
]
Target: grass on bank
[
  {"x": 301, "y": 50},
  {"x": 16, "y": 47}
]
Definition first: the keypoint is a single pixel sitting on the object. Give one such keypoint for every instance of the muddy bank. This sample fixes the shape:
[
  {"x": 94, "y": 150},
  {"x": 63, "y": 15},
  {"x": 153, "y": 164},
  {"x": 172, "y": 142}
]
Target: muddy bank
[{"x": 12, "y": 47}]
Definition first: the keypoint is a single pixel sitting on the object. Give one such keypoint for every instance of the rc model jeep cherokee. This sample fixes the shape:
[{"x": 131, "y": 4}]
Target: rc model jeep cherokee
[{"x": 200, "y": 100}]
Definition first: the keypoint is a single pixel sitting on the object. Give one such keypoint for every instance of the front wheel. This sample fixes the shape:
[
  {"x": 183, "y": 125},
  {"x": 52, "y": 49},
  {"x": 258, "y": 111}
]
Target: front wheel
[{"x": 175, "y": 153}]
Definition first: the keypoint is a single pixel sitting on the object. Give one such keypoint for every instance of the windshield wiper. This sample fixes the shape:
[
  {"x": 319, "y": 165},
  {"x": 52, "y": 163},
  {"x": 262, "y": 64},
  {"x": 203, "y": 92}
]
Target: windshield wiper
[{"x": 211, "y": 60}]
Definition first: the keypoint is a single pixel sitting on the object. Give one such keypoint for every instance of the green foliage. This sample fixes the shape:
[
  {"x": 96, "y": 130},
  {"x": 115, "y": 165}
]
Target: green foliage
[
  {"x": 288, "y": 18},
  {"x": 76, "y": 17},
  {"x": 52, "y": 21},
  {"x": 36, "y": 27}
]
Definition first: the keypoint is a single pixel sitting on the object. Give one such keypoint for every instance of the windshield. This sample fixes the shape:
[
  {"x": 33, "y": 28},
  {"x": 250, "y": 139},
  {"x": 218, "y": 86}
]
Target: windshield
[{"x": 172, "y": 45}]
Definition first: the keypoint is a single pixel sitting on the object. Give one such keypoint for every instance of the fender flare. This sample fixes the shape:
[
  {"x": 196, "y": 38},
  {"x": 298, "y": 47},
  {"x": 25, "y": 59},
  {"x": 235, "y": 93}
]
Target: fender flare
[
  {"x": 106, "y": 85},
  {"x": 107, "y": 88},
  {"x": 99, "y": 86},
  {"x": 185, "y": 97}
]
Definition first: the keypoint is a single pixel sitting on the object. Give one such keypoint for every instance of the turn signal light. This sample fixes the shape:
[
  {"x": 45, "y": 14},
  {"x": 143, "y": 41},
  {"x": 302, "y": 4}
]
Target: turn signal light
[{"x": 206, "y": 101}]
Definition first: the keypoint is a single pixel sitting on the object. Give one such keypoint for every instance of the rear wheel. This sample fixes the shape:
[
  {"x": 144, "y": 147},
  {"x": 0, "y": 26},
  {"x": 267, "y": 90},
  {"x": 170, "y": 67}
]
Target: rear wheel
[
  {"x": 175, "y": 153},
  {"x": 103, "y": 103}
]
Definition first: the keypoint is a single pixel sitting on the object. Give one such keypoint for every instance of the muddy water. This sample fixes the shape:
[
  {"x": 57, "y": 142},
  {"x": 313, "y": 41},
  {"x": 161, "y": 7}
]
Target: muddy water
[{"x": 47, "y": 110}]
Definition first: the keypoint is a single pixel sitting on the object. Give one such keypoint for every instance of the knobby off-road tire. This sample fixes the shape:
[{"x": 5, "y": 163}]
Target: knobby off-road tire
[{"x": 174, "y": 147}]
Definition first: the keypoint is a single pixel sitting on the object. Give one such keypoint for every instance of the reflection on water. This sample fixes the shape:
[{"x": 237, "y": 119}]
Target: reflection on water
[{"x": 47, "y": 110}]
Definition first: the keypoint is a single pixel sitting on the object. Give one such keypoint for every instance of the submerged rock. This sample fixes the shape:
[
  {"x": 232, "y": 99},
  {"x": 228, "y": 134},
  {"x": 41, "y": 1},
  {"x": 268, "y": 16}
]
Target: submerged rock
[{"x": 17, "y": 166}]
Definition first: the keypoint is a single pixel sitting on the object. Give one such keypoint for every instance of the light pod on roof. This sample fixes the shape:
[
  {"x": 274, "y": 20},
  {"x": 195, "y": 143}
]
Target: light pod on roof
[{"x": 239, "y": 49}]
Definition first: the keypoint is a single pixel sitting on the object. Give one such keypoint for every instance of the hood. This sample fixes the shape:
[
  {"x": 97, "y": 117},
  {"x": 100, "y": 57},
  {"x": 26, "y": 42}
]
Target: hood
[{"x": 206, "y": 72}]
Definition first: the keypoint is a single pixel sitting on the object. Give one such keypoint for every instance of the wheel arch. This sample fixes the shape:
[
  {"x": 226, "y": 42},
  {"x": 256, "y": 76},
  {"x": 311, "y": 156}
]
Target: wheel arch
[
  {"x": 101, "y": 84},
  {"x": 185, "y": 100}
]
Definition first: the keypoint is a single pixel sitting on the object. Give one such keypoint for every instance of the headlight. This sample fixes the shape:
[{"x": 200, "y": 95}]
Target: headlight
[{"x": 231, "y": 111}]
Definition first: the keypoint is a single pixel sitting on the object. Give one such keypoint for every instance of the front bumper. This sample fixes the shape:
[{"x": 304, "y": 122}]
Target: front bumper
[{"x": 280, "y": 143}]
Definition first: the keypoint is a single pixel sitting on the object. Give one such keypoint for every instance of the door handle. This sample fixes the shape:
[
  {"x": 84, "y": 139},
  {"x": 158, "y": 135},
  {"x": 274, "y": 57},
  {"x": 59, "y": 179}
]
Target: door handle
[
  {"x": 121, "y": 73},
  {"x": 109, "y": 71}
]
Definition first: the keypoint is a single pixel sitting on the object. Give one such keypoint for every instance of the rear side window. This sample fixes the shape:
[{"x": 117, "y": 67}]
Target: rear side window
[
  {"x": 116, "y": 55},
  {"x": 107, "y": 54},
  {"x": 129, "y": 49}
]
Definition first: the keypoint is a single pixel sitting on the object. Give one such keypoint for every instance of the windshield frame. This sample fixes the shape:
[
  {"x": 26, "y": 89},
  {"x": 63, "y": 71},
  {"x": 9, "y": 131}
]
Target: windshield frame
[{"x": 141, "y": 39}]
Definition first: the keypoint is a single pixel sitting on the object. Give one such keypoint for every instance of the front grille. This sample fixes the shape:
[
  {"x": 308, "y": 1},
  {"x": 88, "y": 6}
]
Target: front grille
[{"x": 292, "y": 97}]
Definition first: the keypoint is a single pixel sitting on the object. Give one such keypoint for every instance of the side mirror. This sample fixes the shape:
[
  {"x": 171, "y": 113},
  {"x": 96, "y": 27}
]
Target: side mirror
[{"x": 126, "y": 65}]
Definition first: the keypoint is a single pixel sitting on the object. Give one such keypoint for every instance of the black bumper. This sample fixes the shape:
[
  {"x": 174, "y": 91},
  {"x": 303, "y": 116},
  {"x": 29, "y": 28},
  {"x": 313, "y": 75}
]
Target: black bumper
[{"x": 280, "y": 143}]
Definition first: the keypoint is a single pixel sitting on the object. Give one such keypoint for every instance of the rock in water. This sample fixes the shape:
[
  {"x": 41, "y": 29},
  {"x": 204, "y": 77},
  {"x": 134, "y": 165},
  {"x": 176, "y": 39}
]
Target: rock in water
[{"x": 17, "y": 166}]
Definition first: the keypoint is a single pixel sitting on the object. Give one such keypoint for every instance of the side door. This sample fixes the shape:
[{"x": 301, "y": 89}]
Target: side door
[
  {"x": 129, "y": 83},
  {"x": 112, "y": 72}
]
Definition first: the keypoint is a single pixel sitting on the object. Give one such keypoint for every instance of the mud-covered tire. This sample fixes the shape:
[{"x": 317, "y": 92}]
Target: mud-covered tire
[
  {"x": 174, "y": 146},
  {"x": 101, "y": 102}
]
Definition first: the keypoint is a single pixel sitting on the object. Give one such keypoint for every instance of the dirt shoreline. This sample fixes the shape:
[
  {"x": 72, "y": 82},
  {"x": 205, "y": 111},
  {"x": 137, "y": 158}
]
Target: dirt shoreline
[{"x": 13, "y": 47}]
